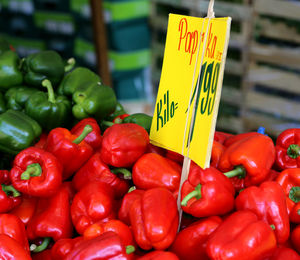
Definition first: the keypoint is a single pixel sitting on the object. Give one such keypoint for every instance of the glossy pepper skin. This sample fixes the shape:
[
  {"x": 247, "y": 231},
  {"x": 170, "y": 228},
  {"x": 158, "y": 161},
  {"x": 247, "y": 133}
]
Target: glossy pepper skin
[
  {"x": 63, "y": 247},
  {"x": 285, "y": 253},
  {"x": 250, "y": 158},
  {"x": 141, "y": 119},
  {"x": 49, "y": 110},
  {"x": 236, "y": 138},
  {"x": 17, "y": 131},
  {"x": 221, "y": 137},
  {"x": 26, "y": 209},
  {"x": 36, "y": 172},
  {"x": 17, "y": 97},
  {"x": 106, "y": 246},
  {"x": 9, "y": 196},
  {"x": 13, "y": 227},
  {"x": 43, "y": 65},
  {"x": 152, "y": 170},
  {"x": 10, "y": 249},
  {"x": 242, "y": 236},
  {"x": 288, "y": 149},
  {"x": 52, "y": 218},
  {"x": 123, "y": 144},
  {"x": 10, "y": 75},
  {"x": 206, "y": 193},
  {"x": 127, "y": 201},
  {"x": 216, "y": 153},
  {"x": 96, "y": 170},
  {"x": 94, "y": 138},
  {"x": 71, "y": 150},
  {"x": 95, "y": 100},
  {"x": 289, "y": 180},
  {"x": 159, "y": 255},
  {"x": 113, "y": 225},
  {"x": 190, "y": 243},
  {"x": 295, "y": 238},
  {"x": 79, "y": 77},
  {"x": 93, "y": 203},
  {"x": 154, "y": 219},
  {"x": 268, "y": 202}
]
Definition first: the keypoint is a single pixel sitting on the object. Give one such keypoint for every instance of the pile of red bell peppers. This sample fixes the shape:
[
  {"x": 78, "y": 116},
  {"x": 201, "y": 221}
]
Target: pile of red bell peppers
[{"x": 84, "y": 193}]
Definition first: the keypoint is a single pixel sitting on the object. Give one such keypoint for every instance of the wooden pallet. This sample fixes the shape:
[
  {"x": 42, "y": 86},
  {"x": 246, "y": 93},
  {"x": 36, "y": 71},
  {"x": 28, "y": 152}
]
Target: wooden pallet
[
  {"x": 272, "y": 98},
  {"x": 238, "y": 44}
]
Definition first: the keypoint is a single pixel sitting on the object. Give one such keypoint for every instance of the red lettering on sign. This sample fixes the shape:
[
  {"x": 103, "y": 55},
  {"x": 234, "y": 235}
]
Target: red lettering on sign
[{"x": 211, "y": 44}]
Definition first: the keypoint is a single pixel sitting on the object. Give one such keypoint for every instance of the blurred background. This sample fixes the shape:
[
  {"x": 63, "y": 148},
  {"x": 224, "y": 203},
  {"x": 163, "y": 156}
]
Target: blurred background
[{"x": 261, "y": 85}]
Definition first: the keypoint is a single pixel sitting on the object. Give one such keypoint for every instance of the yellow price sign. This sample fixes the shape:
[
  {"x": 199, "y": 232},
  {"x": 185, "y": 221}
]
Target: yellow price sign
[{"x": 191, "y": 79}]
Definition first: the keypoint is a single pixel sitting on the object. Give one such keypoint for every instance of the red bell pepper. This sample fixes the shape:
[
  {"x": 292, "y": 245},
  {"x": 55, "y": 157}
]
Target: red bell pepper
[
  {"x": 288, "y": 149},
  {"x": 175, "y": 156},
  {"x": 119, "y": 119},
  {"x": 127, "y": 201},
  {"x": 151, "y": 148},
  {"x": 36, "y": 172},
  {"x": 159, "y": 255},
  {"x": 93, "y": 203},
  {"x": 154, "y": 219},
  {"x": 295, "y": 238},
  {"x": 250, "y": 158},
  {"x": 113, "y": 225},
  {"x": 123, "y": 144},
  {"x": 26, "y": 209},
  {"x": 190, "y": 243},
  {"x": 52, "y": 219},
  {"x": 63, "y": 247},
  {"x": 285, "y": 253},
  {"x": 94, "y": 138},
  {"x": 221, "y": 137},
  {"x": 42, "y": 141},
  {"x": 71, "y": 150},
  {"x": 106, "y": 246},
  {"x": 96, "y": 170},
  {"x": 268, "y": 202},
  {"x": 272, "y": 175},
  {"x": 152, "y": 170},
  {"x": 13, "y": 227},
  {"x": 44, "y": 255},
  {"x": 10, "y": 249},
  {"x": 206, "y": 193},
  {"x": 216, "y": 153},
  {"x": 9, "y": 196},
  {"x": 242, "y": 236},
  {"x": 289, "y": 180},
  {"x": 236, "y": 138}
]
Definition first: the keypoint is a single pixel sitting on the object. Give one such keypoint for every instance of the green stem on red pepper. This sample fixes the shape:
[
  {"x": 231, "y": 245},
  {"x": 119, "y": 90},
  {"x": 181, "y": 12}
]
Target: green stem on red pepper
[
  {"x": 107, "y": 123},
  {"x": 32, "y": 170},
  {"x": 294, "y": 194},
  {"x": 196, "y": 193},
  {"x": 238, "y": 171},
  {"x": 47, "y": 84},
  {"x": 126, "y": 173},
  {"x": 131, "y": 189},
  {"x": 70, "y": 65},
  {"x": 86, "y": 130},
  {"x": 293, "y": 151},
  {"x": 272, "y": 226},
  {"x": 10, "y": 190},
  {"x": 36, "y": 249},
  {"x": 130, "y": 249}
]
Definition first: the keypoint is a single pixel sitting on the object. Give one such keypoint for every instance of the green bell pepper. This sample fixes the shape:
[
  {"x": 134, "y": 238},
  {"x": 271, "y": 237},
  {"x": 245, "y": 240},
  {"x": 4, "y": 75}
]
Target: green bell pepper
[
  {"x": 17, "y": 97},
  {"x": 3, "y": 107},
  {"x": 43, "y": 65},
  {"x": 141, "y": 119},
  {"x": 79, "y": 77},
  {"x": 94, "y": 100},
  {"x": 4, "y": 45},
  {"x": 17, "y": 131},
  {"x": 48, "y": 110},
  {"x": 10, "y": 74},
  {"x": 119, "y": 110}
]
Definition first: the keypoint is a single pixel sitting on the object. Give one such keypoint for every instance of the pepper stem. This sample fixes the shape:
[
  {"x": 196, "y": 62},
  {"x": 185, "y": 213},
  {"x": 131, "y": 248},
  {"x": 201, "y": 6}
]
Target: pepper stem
[
  {"x": 273, "y": 226},
  {"x": 196, "y": 193},
  {"x": 118, "y": 121},
  {"x": 36, "y": 249},
  {"x": 294, "y": 194},
  {"x": 107, "y": 123},
  {"x": 86, "y": 130},
  {"x": 238, "y": 171},
  {"x": 51, "y": 96},
  {"x": 126, "y": 173},
  {"x": 32, "y": 170},
  {"x": 71, "y": 63},
  {"x": 293, "y": 151},
  {"x": 130, "y": 249},
  {"x": 9, "y": 189},
  {"x": 131, "y": 189}
]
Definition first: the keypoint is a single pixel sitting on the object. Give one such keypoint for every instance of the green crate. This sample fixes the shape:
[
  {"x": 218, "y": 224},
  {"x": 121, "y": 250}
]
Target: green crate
[
  {"x": 25, "y": 7},
  {"x": 81, "y": 9},
  {"x": 52, "y": 5},
  {"x": 85, "y": 53},
  {"x": 21, "y": 26}
]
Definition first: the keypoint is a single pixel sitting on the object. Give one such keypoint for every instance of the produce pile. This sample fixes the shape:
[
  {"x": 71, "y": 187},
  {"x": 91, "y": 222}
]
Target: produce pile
[{"x": 80, "y": 179}]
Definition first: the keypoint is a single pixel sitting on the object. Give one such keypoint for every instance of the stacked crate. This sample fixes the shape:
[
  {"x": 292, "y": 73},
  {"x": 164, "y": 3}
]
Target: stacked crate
[
  {"x": 273, "y": 93},
  {"x": 237, "y": 57}
]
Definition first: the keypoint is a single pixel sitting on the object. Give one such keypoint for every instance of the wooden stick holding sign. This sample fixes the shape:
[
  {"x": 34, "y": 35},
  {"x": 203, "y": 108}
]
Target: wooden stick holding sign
[{"x": 190, "y": 54}]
